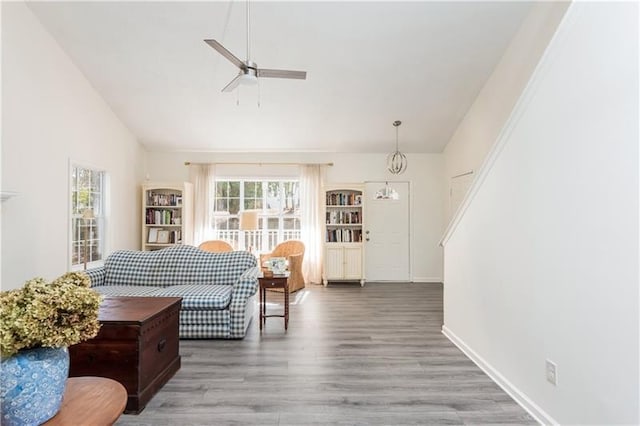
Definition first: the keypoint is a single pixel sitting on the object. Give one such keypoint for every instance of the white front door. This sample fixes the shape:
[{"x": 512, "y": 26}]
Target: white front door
[{"x": 386, "y": 233}]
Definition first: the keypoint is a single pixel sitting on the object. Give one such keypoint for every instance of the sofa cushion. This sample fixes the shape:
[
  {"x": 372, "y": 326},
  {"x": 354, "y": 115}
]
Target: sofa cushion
[
  {"x": 199, "y": 297},
  {"x": 125, "y": 290},
  {"x": 131, "y": 268}
]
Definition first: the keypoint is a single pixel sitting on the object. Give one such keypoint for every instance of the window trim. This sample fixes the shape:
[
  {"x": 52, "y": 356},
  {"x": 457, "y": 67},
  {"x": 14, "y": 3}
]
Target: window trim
[{"x": 106, "y": 209}]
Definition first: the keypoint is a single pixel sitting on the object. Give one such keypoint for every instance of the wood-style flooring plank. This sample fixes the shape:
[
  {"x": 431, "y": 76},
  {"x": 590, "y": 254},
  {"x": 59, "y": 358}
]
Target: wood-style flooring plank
[{"x": 372, "y": 355}]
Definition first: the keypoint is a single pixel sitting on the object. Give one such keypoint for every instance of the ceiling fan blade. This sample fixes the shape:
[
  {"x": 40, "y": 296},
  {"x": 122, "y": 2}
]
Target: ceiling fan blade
[
  {"x": 224, "y": 52},
  {"x": 302, "y": 75},
  {"x": 233, "y": 84}
]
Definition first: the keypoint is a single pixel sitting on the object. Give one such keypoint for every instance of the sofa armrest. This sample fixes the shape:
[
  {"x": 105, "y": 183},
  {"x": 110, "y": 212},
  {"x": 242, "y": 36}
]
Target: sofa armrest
[
  {"x": 243, "y": 289},
  {"x": 97, "y": 275}
]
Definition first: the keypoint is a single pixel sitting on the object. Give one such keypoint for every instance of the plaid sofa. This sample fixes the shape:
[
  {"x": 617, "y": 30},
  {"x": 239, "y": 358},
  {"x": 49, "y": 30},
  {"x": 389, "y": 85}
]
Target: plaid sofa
[{"x": 217, "y": 289}]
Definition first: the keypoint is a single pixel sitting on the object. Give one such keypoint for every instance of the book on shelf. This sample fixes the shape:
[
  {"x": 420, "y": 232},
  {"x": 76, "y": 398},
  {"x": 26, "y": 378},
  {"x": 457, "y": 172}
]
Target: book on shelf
[
  {"x": 160, "y": 199},
  {"x": 343, "y": 199},
  {"x": 343, "y": 217},
  {"x": 162, "y": 217},
  {"x": 343, "y": 236}
]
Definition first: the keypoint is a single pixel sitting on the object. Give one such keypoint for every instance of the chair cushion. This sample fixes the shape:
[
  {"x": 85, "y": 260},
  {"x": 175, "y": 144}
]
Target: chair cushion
[
  {"x": 126, "y": 290},
  {"x": 199, "y": 297}
]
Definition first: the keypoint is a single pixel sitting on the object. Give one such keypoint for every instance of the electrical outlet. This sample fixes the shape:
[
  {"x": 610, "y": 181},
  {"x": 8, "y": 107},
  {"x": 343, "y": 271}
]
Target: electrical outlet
[{"x": 552, "y": 372}]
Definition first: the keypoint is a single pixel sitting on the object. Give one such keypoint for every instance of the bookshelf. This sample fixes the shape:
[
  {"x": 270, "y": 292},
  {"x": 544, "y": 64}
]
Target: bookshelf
[
  {"x": 343, "y": 234},
  {"x": 167, "y": 215}
]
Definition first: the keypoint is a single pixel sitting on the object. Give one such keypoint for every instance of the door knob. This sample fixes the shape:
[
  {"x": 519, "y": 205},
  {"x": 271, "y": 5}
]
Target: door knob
[{"x": 366, "y": 232}]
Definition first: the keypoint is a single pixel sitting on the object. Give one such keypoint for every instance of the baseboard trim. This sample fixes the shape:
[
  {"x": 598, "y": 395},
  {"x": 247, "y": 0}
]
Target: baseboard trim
[
  {"x": 427, "y": 280},
  {"x": 531, "y": 407}
]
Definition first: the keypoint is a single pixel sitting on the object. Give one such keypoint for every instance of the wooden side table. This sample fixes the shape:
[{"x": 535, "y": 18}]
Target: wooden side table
[
  {"x": 95, "y": 401},
  {"x": 277, "y": 281}
]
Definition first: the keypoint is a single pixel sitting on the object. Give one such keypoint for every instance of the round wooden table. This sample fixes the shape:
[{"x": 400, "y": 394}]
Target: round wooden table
[{"x": 94, "y": 401}]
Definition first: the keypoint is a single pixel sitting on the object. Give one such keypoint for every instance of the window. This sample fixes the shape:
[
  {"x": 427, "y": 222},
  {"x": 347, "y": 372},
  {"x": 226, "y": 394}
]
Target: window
[
  {"x": 88, "y": 204},
  {"x": 277, "y": 201}
]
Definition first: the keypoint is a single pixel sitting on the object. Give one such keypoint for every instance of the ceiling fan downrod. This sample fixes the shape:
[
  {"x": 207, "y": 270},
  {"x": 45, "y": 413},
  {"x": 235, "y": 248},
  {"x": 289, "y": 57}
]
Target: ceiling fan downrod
[{"x": 248, "y": 35}]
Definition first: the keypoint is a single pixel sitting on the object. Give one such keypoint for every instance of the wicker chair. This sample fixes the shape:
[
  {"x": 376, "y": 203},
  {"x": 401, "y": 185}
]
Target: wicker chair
[
  {"x": 293, "y": 251},
  {"x": 216, "y": 246}
]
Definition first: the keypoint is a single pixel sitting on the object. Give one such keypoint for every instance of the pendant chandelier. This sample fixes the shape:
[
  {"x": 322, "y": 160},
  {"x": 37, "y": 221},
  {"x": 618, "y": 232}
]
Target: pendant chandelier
[
  {"x": 397, "y": 161},
  {"x": 386, "y": 193}
]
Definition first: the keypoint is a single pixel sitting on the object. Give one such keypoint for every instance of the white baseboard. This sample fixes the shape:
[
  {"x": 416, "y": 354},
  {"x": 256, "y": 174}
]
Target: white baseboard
[
  {"x": 428, "y": 280},
  {"x": 531, "y": 407}
]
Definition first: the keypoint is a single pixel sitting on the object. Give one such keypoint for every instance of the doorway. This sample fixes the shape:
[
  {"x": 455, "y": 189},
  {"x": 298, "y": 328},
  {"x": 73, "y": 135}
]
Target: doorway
[{"x": 386, "y": 231}]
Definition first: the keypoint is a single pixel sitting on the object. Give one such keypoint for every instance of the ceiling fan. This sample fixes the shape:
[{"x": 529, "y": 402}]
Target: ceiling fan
[{"x": 249, "y": 71}]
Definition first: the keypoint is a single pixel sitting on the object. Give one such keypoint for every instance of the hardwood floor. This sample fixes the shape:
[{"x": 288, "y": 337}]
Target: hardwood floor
[{"x": 353, "y": 355}]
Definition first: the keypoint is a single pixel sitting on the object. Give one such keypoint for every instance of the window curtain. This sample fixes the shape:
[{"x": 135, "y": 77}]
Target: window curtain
[
  {"x": 202, "y": 176},
  {"x": 311, "y": 221}
]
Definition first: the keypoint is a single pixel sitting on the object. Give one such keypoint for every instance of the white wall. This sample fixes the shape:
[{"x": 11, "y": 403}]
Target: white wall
[
  {"x": 467, "y": 148},
  {"x": 51, "y": 114},
  {"x": 544, "y": 262},
  {"x": 424, "y": 174}
]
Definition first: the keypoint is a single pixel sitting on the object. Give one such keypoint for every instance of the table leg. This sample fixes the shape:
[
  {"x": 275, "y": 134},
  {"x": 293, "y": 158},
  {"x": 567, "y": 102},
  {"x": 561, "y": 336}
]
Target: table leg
[
  {"x": 261, "y": 307},
  {"x": 286, "y": 306}
]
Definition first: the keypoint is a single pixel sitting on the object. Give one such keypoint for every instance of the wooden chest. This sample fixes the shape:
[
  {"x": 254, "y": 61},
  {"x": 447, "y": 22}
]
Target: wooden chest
[{"x": 138, "y": 345}]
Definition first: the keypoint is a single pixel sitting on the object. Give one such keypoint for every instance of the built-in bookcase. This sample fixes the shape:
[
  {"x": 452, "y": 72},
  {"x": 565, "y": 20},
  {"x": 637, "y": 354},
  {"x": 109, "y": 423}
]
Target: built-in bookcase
[
  {"x": 167, "y": 215},
  {"x": 343, "y": 235}
]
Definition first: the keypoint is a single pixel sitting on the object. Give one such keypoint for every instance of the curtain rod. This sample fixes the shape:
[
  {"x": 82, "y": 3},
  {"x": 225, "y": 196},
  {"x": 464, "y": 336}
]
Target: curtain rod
[{"x": 189, "y": 163}]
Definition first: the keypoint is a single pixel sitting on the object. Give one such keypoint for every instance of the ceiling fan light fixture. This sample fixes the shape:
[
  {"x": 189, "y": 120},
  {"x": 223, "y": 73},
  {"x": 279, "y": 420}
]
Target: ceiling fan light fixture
[
  {"x": 397, "y": 161},
  {"x": 248, "y": 79}
]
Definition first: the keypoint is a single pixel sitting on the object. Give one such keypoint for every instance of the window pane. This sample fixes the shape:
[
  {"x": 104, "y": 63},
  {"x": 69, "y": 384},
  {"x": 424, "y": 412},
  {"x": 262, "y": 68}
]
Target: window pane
[
  {"x": 234, "y": 189},
  {"x": 222, "y": 205},
  {"x": 274, "y": 202},
  {"x": 96, "y": 204},
  {"x": 273, "y": 223},
  {"x": 74, "y": 202},
  {"x": 291, "y": 223},
  {"x": 96, "y": 182},
  {"x": 222, "y": 189},
  {"x": 234, "y": 205},
  {"x": 250, "y": 189},
  {"x": 221, "y": 223},
  {"x": 250, "y": 204}
]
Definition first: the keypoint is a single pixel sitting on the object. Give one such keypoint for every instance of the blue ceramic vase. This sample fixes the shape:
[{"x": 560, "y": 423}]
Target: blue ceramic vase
[{"x": 32, "y": 385}]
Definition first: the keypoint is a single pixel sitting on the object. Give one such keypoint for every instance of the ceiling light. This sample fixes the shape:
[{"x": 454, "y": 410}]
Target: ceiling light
[
  {"x": 248, "y": 80},
  {"x": 386, "y": 193},
  {"x": 397, "y": 161}
]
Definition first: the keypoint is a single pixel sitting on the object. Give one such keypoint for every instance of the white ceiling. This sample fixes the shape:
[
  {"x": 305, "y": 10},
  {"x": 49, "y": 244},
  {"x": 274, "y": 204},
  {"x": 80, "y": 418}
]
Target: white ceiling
[{"x": 367, "y": 63}]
